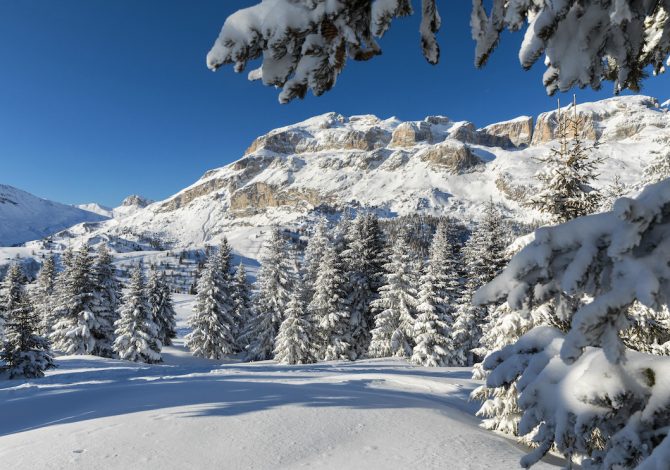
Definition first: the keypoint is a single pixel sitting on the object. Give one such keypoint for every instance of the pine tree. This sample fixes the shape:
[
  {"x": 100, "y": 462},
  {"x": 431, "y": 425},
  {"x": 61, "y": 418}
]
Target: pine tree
[
  {"x": 363, "y": 265},
  {"x": 271, "y": 299},
  {"x": 137, "y": 335},
  {"x": 293, "y": 344},
  {"x": 43, "y": 295},
  {"x": 484, "y": 258},
  {"x": 316, "y": 246},
  {"x": 160, "y": 301},
  {"x": 328, "y": 312},
  {"x": 565, "y": 184},
  {"x": 10, "y": 292},
  {"x": 78, "y": 326},
  {"x": 242, "y": 305},
  {"x": 396, "y": 306},
  {"x": 211, "y": 322},
  {"x": 25, "y": 354},
  {"x": 109, "y": 292},
  {"x": 432, "y": 328}
]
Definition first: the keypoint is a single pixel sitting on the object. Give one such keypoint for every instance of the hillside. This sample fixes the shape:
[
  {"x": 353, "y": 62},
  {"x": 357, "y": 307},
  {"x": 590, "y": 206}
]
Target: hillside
[
  {"x": 331, "y": 163},
  {"x": 25, "y": 217}
]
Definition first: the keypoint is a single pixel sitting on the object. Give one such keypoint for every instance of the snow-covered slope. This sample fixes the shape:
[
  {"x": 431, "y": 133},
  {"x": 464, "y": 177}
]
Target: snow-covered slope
[
  {"x": 331, "y": 162},
  {"x": 96, "y": 209},
  {"x": 26, "y": 217},
  {"x": 92, "y": 412}
]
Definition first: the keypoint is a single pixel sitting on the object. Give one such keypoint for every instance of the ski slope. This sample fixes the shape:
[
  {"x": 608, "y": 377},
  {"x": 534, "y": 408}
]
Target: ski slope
[{"x": 94, "y": 413}]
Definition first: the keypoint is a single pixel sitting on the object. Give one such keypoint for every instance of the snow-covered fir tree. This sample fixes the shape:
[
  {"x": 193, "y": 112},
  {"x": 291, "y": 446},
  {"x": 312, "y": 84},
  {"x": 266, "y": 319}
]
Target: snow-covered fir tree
[
  {"x": 212, "y": 320},
  {"x": 649, "y": 329},
  {"x": 363, "y": 265},
  {"x": 316, "y": 246},
  {"x": 109, "y": 291},
  {"x": 242, "y": 306},
  {"x": 25, "y": 353},
  {"x": 79, "y": 306},
  {"x": 395, "y": 309},
  {"x": 566, "y": 190},
  {"x": 10, "y": 292},
  {"x": 483, "y": 258},
  {"x": 43, "y": 295},
  {"x": 437, "y": 294},
  {"x": 328, "y": 311},
  {"x": 273, "y": 286},
  {"x": 658, "y": 169},
  {"x": 606, "y": 411},
  {"x": 160, "y": 301},
  {"x": 137, "y": 335},
  {"x": 293, "y": 344}
]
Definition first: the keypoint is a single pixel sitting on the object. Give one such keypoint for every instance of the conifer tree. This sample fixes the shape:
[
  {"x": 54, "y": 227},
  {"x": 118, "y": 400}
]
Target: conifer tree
[
  {"x": 363, "y": 265},
  {"x": 396, "y": 306},
  {"x": 293, "y": 344},
  {"x": 212, "y": 319},
  {"x": 273, "y": 288},
  {"x": 432, "y": 328},
  {"x": 43, "y": 295},
  {"x": 316, "y": 246},
  {"x": 137, "y": 335},
  {"x": 569, "y": 171},
  {"x": 484, "y": 257},
  {"x": 109, "y": 291},
  {"x": 242, "y": 309},
  {"x": 10, "y": 292},
  {"x": 78, "y": 323},
  {"x": 25, "y": 353},
  {"x": 328, "y": 312},
  {"x": 160, "y": 301}
]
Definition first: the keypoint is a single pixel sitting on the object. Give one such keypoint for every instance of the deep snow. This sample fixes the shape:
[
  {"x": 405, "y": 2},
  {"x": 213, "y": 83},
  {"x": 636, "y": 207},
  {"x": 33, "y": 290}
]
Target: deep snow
[{"x": 195, "y": 413}]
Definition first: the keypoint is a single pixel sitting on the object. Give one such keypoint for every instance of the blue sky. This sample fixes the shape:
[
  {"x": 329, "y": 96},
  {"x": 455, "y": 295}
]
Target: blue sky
[{"x": 100, "y": 99}]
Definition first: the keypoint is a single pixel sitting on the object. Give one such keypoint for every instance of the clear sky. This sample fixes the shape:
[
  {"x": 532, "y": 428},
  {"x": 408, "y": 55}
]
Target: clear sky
[{"x": 100, "y": 99}]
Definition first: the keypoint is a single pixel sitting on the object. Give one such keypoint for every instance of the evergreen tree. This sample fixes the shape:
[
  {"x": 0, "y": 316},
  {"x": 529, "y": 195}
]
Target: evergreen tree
[
  {"x": 484, "y": 257},
  {"x": 569, "y": 170},
  {"x": 316, "y": 246},
  {"x": 271, "y": 299},
  {"x": 25, "y": 354},
  {"x": 212, "y": 319},
  {"x": 109, "y": 291},
  {"x": 242, "y": 305},
  {"x": 658, "y": 169},
  {"x": 396, "y": 306},
  {"x": 137, "y": 335},
  {"x": 160, "y": 301},
  {"x": 432, "y": 328},
  {"x": 80, "y": 309},
  {"x": 362, "y": 261},
  {"x": 11, "y": 292},
  {"x": 293, "y": 344},
  {"x": 43, "y": 295},
  {"x": 328, "y": 312}
]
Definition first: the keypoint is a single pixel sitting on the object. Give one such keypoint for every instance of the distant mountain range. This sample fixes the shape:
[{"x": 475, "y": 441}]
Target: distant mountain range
[{"x": 332, "y": 163}]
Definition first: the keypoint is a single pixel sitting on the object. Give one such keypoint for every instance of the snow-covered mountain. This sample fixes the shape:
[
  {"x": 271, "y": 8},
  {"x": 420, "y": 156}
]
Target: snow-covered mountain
[
  {"x": 25, "y": 217},
  {"x": 96, "y": 209},
  {"x": 332, "y": 162}
]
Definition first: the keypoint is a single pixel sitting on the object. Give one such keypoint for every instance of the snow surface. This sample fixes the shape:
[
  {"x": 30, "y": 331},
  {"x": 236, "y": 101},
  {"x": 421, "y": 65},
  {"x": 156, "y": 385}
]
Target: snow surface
[{"x": 194, "y": 413}]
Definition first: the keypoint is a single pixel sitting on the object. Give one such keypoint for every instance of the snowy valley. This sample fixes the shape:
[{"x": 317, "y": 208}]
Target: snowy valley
[{"x": 344, "y": 270}]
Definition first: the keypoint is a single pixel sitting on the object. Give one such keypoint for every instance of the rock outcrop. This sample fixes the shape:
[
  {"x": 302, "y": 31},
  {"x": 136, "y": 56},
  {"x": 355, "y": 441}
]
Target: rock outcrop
[
  {"x": 452, "y": 156},
  {"x": 517, "y": 133}
]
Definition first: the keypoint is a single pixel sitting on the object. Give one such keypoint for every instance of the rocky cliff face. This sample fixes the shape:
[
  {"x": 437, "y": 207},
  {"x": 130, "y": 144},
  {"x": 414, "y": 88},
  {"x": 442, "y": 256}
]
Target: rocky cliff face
[{"x": 436, "y": 165}]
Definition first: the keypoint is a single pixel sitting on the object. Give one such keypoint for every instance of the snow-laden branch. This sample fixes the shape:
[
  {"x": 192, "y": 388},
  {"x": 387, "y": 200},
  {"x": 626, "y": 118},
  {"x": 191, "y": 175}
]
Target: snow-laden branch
[
  {"x": 304, "y": 44},
  {"x": 614, "y": 258}
]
